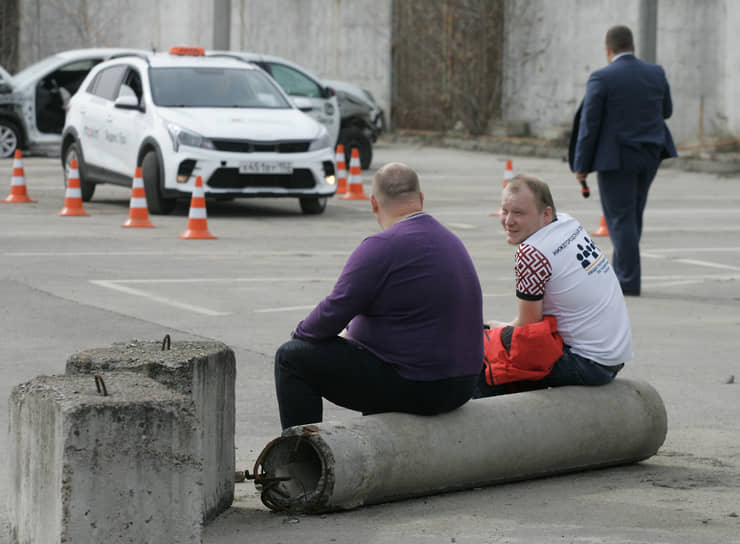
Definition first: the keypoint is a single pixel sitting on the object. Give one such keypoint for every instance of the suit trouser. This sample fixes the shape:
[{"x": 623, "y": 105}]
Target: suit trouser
[{"x": 624, "y": 195}]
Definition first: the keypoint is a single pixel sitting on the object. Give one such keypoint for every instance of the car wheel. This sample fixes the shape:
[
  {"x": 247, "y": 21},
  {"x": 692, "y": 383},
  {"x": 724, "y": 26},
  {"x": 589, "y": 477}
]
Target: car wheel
[
  {"x": 156, "y": 203},
  {"x": 87, "y": 188},
  {"x": 9, "y": 138},
  {"x": 313, "y": 205},
  {"x": 354, "y": 137}
]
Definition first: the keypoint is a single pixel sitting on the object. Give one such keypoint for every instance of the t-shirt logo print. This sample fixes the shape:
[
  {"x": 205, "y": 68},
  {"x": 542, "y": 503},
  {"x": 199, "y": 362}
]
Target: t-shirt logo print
[{"x": 587, "y": 252}]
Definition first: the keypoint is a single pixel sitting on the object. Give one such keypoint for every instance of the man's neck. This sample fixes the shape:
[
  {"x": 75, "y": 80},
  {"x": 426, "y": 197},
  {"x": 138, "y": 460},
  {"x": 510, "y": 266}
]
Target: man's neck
[{"x": 406, "y": 214}]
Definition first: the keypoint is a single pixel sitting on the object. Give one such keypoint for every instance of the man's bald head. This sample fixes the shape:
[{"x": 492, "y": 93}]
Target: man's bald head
[{"x": 395, "y": 183}]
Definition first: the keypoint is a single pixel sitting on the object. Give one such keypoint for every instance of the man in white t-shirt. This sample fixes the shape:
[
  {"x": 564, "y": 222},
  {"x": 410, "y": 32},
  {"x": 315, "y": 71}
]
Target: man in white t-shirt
[{"x": 561, "y": 273}]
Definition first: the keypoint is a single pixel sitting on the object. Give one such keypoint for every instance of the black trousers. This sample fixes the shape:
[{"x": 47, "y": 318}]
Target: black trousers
[
  {"x": 624, "y": 195},
  {"x": 348, "y": 375}
]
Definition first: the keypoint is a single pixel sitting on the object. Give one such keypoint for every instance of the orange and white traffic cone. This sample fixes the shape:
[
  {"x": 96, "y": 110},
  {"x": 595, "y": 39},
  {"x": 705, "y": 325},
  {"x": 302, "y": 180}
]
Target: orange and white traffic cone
[
  {"x": 138, "y": 215},
  {"x": 341, "y": 170},
  {"x": 18, "y": 193},
  {"x": 508, "y": 174},
  {"x": 355, "y": 191},
  {"x": 73, "y": 194},
  {"x": 197, "y": 220},
  {"x": 602, "y": 230}
]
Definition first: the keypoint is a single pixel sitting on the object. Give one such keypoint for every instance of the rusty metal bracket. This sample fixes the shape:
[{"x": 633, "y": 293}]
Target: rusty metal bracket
[
  {"x": 166, "y": 342},
  {"x": 100, "y": 385}
]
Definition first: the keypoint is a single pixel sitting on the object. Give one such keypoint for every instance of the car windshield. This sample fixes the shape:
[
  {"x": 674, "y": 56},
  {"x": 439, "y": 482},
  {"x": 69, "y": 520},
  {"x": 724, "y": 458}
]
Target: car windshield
[{"x": 194, "y": 87}]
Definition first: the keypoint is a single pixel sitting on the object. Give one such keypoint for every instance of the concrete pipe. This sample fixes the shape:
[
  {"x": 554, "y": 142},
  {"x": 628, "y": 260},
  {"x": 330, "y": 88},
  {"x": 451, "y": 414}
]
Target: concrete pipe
[{"x": 368, "y": 460}]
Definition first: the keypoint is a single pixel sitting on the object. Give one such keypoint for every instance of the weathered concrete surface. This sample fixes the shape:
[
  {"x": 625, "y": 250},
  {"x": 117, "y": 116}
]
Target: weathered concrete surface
[
  {"x": 269, "y": 257},
  {"x": 204, "y": 371},
  {"x": 550, "y": 48},
  {"x": 92, "y": 468},
  {"x": 380, "y": 458}
]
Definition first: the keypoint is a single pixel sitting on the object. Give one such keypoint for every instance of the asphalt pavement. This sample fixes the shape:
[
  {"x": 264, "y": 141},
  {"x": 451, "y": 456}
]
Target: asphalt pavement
[{"x": 73, "y": 283}]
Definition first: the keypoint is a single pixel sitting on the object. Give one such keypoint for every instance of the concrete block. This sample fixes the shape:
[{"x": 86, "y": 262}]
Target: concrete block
[
  {"x": 204, "y": 371},
  {"x": 85, "y": 467},
  {"x": 384, "y": 457}
]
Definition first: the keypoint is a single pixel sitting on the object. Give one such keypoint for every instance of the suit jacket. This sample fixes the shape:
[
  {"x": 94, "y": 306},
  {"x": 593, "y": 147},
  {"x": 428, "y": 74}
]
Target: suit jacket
[{"x": 626, "y": 105}]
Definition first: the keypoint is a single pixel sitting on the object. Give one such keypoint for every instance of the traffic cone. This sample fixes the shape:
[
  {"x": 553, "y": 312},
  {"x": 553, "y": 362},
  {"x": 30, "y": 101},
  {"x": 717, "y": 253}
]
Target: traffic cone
[
  {"x": 355, "y": 191},
  {"x": 197, "y": 220},
  {"x": 508, "y": 174},
  {"x": 138, "y": 215},
  {"x": 341, "y": 171},
  {"x": 18, "y": 193},
  {"x": 602, "y": 230},
  {"x": 73, "y": 194}
]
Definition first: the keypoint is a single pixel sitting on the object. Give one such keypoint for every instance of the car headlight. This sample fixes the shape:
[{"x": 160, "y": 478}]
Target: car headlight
[
  {"x": 321, "y": 142},
  {"x": 181, "y": 136}
]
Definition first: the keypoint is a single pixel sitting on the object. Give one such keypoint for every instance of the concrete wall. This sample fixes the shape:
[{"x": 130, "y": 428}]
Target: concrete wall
[
  {"x": 550, "y": 47},
  {"x": 336, "y": 39}
]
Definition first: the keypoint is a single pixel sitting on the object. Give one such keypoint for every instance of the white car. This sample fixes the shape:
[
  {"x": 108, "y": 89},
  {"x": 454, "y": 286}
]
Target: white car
[
  {"x": 309, "y": 93},
  {"x": 181, "y": 114},
  {"x": 32, "y": 101}
]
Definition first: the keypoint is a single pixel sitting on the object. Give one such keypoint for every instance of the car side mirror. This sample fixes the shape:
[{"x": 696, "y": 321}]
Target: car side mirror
[
  {"x": 127, "y": 102},
  {"x": 329, "y": 92},
  {"x": 303, "y": 104},
  {"x": 5, "y": 88}
]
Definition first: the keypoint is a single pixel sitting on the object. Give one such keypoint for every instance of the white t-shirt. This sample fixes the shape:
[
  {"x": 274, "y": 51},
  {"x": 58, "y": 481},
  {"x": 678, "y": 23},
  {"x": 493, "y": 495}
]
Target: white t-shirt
[{"x": 562, "y": 266}]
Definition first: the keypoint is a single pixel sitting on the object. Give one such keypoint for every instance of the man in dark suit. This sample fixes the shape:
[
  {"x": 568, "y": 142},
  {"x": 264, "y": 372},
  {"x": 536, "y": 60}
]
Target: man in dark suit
[{"x": 622, "y": 136}]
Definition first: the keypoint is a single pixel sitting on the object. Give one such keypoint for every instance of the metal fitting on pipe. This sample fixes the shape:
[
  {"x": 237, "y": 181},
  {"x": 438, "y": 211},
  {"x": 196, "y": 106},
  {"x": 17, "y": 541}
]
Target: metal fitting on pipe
[{"x": 368, "y": 460}]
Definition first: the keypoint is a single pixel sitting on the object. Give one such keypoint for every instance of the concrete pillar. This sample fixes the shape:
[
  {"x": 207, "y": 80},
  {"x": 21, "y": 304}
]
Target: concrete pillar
[
  {"x": 385, "y": 457},
  {"x": 203, "y": 371},
  {"x": 648, "y": 30},
  {"x": 88, "y": 467}
]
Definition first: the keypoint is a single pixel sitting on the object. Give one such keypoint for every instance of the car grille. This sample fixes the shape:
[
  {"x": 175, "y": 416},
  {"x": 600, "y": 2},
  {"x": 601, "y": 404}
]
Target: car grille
[
  {"x": 230, "y": 178},
  {"x": 246, "y": 146}
]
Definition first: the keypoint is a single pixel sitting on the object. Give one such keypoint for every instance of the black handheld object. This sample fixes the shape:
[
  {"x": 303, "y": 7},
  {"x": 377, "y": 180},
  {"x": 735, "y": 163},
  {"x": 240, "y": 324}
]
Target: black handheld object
[{"x": 584, "y": 189}]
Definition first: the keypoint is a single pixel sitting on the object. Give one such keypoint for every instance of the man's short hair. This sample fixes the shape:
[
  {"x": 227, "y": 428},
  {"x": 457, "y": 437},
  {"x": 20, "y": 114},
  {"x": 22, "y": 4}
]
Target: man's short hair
[
  {"x": 619, "y": 39},
  {"x": 395, "y": 182},
  {"x": 540, "y": 190}
]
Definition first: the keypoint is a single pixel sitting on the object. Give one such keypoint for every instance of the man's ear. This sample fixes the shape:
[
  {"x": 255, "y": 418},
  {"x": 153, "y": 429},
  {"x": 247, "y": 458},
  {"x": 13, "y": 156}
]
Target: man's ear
[
  {"x": 374, "y": 204},
  {"x": 421, "y": 199}
]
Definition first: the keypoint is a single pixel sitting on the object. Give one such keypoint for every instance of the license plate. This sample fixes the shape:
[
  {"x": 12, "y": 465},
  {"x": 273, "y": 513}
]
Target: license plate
[{"x": 265, "y": 167}]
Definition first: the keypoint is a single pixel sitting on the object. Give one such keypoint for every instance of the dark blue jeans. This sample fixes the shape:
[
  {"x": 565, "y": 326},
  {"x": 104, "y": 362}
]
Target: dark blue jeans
[
  {"x": 348, "y": 375},
  {"x": 570, "y": 369}
]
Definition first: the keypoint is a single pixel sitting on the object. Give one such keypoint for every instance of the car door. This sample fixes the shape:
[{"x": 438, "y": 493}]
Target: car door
[
  {"x": 54, "y": 90},
  {"x": 128, "y": 125},
  {"x": 96, "y": 114},
  {"x": 323, "y": 103}
]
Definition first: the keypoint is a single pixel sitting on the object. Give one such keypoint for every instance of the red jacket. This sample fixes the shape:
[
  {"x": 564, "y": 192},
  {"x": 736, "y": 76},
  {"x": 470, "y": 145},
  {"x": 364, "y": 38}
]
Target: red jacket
[{"x": 524, "y": 353}]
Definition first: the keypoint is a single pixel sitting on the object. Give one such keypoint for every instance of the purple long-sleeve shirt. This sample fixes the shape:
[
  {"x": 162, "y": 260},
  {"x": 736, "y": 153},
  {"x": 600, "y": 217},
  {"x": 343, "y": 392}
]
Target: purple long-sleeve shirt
[{"x": 413, "y": 298}]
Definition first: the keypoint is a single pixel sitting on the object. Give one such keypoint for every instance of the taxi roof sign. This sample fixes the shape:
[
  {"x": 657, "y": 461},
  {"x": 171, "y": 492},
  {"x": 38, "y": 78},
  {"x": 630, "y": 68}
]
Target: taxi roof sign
[{"x": 187, "y": 51}]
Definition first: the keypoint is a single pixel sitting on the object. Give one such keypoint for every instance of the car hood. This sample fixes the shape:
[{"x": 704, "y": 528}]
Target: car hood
[{"x": 245, "y": 123}]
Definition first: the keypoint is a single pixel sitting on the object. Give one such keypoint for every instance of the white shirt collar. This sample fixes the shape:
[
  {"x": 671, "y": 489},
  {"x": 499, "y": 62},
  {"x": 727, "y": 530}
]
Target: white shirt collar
[{"x": 622, "y": 55}]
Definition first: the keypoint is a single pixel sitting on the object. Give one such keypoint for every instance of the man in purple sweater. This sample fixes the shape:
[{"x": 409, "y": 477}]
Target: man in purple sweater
[{"x": 411, "y": 301}]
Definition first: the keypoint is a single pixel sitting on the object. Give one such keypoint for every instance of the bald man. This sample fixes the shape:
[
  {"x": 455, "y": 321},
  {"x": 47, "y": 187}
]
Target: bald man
[{"x": 411, "y": 302}]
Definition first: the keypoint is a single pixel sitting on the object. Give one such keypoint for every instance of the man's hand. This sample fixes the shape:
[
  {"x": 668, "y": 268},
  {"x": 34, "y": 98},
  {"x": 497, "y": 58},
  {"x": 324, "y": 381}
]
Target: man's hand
[{"x": 581, "y": 176}]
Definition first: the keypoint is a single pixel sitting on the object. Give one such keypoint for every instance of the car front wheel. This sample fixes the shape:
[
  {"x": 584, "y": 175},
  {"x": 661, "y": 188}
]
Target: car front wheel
[
  {"x": 87, "y": 188},
  {"x": 313, "y": 205},
  {"x": 9, "y": 138},
  {"x": 156, "y": 203}
]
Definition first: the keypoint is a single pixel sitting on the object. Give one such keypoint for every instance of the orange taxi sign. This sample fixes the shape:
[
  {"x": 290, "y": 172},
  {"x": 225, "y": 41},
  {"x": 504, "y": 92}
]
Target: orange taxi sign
[{"x": 187, "y": 51}]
